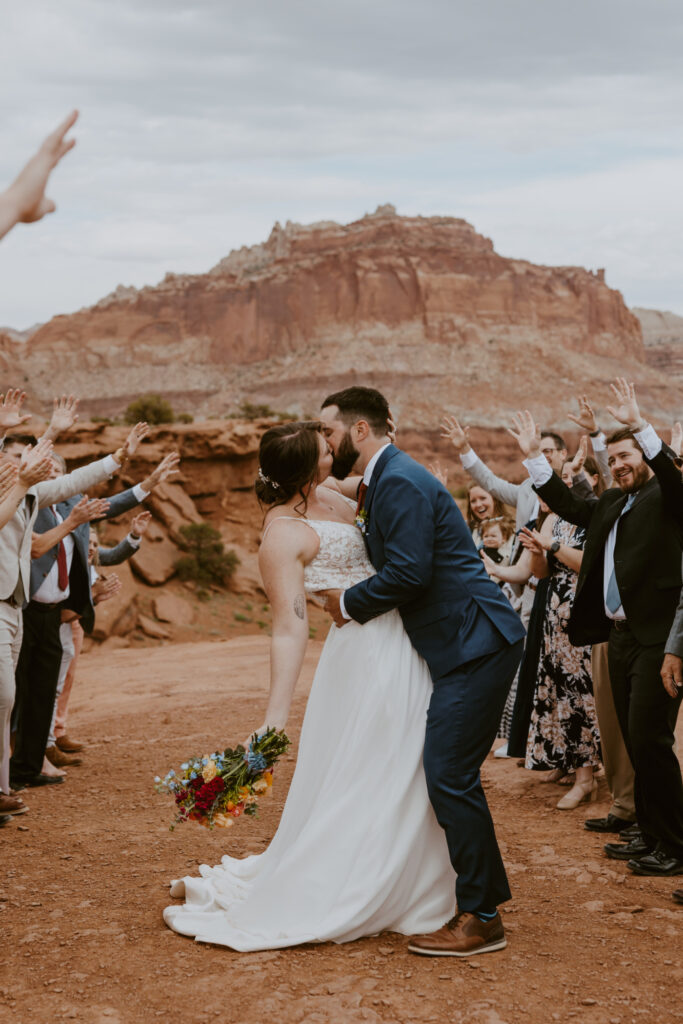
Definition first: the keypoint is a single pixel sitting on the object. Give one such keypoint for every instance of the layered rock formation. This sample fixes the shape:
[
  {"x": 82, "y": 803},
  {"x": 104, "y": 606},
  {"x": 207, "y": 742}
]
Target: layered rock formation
[
  {"x": 422, "y": 307},
  {"x": 663, "y": 341}
]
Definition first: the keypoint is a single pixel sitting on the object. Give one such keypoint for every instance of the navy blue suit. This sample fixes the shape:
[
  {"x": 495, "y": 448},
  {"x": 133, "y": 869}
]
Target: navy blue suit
[{"x": 427, "y": 566}]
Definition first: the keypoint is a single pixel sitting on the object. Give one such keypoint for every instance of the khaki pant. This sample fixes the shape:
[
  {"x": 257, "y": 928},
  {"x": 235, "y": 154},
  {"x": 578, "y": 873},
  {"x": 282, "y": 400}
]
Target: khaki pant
[
  {"x": 10, "y": 644},
  {"x": 62, "y": 704},
  {"x": 618, "y": 768}
]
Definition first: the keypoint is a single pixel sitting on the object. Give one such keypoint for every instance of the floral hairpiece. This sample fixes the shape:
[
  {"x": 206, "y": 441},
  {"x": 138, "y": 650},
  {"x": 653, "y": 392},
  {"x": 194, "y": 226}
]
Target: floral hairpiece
[{"x": 266, "y": 479}]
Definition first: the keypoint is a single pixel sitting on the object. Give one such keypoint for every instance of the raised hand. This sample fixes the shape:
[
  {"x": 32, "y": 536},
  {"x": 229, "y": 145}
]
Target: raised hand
[
  {"x": 626, "y": 409},
  {"x": 167, "y": 468},
  {"x": 533, "y": 541},
  {"x": 11, "y": 415},
  {"x": 457, "y": 435},
  {"x": 64, "y": 416},
  {"x": 586, "y": 417},
  {"x": 132, "y": 442},
  {"x": 9, "y": 474},
  {"x": 441, "y": 474},
  {"x": 25, "y": 199},
  {"x": 36, "y": 463},
  {"x": 527, "y": 434},
  {"x": 582, "y": 451},
  {"x": 139, "y": 525},
  {"x": 88, "y": 509},
  {"x": 677, "y": 438},
  {"x": 392, "y": 428}
]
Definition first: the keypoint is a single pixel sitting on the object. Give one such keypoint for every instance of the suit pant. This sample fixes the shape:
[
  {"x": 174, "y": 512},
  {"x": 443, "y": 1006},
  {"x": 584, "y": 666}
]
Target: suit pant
[
  {"x": 10, "y": 645},
  {"x": 462, "y": 719},
  {"x": 615, "y": 757},
  {"x": 37, "y": 674},
  {"x": 647, "y": 716}
]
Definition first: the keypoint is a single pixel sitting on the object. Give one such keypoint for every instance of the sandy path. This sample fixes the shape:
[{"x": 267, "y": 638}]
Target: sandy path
[{"x": 84, "y": 880}]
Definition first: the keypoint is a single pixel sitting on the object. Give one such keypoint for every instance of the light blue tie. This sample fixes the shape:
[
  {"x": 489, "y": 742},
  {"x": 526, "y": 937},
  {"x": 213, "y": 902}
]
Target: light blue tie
[{"x": 613, "y": 597}]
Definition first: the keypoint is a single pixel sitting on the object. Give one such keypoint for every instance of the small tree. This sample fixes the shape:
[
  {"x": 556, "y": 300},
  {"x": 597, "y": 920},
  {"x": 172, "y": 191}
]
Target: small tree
[
  {"x": 150, "y": 408},
  {"x": 206, "y": 562}
]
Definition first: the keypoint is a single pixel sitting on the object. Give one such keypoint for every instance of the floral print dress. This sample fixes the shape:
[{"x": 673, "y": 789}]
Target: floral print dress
[{"x": 563, "y": 732}]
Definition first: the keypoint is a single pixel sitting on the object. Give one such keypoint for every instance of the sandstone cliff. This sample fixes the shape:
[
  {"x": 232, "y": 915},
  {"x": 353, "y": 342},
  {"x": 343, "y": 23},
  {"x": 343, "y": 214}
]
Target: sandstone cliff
[
  {"x": 422, "y": 307},
  {"x": 663, "y": 341}
]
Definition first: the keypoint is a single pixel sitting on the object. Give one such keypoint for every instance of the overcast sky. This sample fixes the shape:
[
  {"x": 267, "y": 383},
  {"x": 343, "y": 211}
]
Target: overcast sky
[{"x": 555, "y": 128}]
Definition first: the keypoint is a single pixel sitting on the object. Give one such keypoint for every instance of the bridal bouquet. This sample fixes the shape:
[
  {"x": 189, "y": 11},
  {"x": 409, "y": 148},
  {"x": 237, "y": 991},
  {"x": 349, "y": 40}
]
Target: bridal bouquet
[{"x": 216, "y": 789}]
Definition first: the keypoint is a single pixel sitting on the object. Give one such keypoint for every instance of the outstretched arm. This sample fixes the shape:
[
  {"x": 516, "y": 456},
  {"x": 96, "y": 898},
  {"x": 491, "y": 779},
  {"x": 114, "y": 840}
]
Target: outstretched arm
[{"x": 501, "y": 489}]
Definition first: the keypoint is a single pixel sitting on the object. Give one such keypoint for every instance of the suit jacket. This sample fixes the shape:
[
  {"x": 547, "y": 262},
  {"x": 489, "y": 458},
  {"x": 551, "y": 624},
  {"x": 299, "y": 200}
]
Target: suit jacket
[
  {"x": 120, "y": 553},
  {"x": 80, "y": 593},
  {"x": 15, "y": 537},
  {"x": 647, "y": 556},
  {"x": 674, "y": 644},
  {"x": 428, "y": 567}
]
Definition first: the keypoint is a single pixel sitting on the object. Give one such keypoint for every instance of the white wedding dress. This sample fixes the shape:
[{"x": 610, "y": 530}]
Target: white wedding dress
[{"x": 358, "y": 849}]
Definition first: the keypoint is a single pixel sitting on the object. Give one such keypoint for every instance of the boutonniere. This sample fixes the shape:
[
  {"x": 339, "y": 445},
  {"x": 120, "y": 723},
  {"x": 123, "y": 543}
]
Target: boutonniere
[{"x": 361, "y": 521}]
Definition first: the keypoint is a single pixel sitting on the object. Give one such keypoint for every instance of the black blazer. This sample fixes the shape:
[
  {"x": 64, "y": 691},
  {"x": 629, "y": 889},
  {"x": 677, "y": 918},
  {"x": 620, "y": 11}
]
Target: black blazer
[{"x": 647, "y": 556}]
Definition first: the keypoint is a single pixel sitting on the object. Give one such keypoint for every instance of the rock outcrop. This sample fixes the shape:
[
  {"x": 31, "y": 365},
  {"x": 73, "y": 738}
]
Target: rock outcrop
[
  {"x": 422, "y": 307},
  {"x": 663, "y": 340}
]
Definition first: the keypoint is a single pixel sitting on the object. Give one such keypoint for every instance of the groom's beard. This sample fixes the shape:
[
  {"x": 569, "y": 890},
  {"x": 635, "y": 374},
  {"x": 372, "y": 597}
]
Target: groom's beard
[{"x": 346, "y": 458}]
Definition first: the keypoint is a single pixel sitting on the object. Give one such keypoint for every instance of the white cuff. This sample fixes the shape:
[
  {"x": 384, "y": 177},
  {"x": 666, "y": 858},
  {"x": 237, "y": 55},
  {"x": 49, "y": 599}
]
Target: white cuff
[
  {"x": 469, "y": 459},
  {"x": 133, "y": 541},
  {"x": 598, "y": 442},
  {"x": 342, "y": 608},
  {"x": 140, "y": 492},
  {"x": 539, "y": 469},
  {"x": 649, "y": 440},
  {"x": 111, "y": 465}
]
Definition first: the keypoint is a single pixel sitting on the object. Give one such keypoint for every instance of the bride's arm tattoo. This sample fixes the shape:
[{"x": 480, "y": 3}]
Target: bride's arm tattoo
[{"x": 300, "y": 606}]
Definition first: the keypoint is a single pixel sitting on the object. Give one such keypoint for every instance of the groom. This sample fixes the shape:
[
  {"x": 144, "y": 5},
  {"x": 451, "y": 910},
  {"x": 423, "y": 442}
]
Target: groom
[{"x": 459, "y": 621}]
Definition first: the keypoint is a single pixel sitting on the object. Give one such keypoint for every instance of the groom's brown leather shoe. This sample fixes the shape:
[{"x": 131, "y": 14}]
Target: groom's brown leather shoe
[{"x": 464, "y": 935}]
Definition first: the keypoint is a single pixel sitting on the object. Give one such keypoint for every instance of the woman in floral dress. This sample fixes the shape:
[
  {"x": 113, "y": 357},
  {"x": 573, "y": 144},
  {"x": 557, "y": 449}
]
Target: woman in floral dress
[{"x": 563, "y": 733}]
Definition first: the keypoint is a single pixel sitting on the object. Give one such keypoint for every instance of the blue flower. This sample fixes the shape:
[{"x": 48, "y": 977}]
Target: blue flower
[
  {"x": 256, "y": 762},
  {"x": 185, "y": 766}
]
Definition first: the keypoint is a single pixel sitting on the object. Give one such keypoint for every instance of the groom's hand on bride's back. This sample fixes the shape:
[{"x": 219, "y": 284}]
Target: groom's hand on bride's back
[{"x": 332, "y": 605}]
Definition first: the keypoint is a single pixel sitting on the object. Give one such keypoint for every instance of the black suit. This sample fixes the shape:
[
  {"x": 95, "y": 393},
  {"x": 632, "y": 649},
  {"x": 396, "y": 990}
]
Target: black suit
[{"x": 647, "y": 564}]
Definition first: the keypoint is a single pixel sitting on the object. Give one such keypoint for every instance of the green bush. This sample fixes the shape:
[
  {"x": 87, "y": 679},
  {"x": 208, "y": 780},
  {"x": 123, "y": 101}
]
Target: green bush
[
  {"x": 150, "y": 408},
  {"x": 185, "y": 417},
  {"x": 207, "y": 562}
]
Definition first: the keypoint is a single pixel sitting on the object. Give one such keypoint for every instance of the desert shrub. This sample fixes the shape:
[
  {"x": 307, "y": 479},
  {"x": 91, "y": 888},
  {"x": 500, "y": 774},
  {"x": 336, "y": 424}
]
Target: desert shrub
[
  {"x": 150, "y": 408},
  {"x": 261, "y": 411},
  {"x": 185, "y": 417},
  {"x": 206, "y": 561}
]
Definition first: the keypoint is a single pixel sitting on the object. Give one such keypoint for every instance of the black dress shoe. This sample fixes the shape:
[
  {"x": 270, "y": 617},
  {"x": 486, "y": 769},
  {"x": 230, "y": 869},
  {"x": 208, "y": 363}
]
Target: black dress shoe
[
  {"x": 609, "y": 824},
  {"x": 627, "y": 851},
  {"x": 656, "y": 863},
  {"x": 6, "y": 818},
  {"x": 677, "y": 896},
  {"x": 36, "y": 780},
  {"x": 632, "y": 832}
]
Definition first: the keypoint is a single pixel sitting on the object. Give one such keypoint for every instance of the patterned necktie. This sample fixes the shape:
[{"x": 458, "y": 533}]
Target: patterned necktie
[
  {"x": 62, "y": 568},
  {"x": 613, "y": 597},
  {"x": 362, "y": 491}
]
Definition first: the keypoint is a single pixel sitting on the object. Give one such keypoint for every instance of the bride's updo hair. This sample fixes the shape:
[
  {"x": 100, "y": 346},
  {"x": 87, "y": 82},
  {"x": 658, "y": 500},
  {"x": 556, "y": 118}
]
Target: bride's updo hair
[{"x": 288, "y": 463}]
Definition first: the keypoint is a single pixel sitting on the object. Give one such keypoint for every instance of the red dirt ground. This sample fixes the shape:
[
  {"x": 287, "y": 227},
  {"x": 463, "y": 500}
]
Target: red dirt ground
[{"x": 85, "y": 874}]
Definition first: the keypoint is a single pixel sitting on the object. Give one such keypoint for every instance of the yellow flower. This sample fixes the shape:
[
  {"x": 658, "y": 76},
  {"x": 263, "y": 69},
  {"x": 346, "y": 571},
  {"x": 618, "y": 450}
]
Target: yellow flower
[
  {"x": 260, "y": 786},
  {"x": 223, "y": 821},
  {"x": 210, "y": 771}
]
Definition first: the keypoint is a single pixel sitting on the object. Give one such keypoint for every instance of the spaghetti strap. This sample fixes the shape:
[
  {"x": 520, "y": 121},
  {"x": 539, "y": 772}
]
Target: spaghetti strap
[{"x": 295, "y": 519}]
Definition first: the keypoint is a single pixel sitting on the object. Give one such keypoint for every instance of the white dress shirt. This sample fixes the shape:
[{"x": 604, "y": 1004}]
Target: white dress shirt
[
  {"x": 49, "y": 591},
  {"x": 540, "y": 472},
  {"x": 367, "y": 477}
]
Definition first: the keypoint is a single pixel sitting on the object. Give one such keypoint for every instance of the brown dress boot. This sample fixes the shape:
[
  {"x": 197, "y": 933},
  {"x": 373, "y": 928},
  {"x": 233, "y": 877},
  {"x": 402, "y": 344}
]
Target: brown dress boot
[
  {"x": 464, "y": 935},
  {"x": 59, "y": 759},
  {"x": 69, "y": 746}
]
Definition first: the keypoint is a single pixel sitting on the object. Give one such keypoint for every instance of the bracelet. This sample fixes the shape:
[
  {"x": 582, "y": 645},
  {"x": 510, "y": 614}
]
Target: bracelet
[{"x": 595, "y": 433}]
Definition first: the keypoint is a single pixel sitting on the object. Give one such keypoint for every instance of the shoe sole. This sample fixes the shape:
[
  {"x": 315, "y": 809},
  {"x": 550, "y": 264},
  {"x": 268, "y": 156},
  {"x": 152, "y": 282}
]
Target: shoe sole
[
  {"x": 21, "y": 810},
  {"x": 488, "y": 948},
  {"x": 628, "y": 856},
  {"x": 637, "y": 870}
]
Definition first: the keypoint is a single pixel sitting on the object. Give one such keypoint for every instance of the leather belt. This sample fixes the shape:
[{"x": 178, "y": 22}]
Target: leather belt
[{"x": 43, "y": 606}]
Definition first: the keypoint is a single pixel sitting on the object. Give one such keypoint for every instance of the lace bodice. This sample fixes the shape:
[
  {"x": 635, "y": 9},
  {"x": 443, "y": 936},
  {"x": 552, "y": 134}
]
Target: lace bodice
[{"x": 342, "y": 559}]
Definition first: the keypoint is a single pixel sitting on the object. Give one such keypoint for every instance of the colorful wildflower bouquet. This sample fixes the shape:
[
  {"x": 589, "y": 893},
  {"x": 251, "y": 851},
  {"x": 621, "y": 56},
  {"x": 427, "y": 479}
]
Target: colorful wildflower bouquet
[{"x": 216, "y": 789}]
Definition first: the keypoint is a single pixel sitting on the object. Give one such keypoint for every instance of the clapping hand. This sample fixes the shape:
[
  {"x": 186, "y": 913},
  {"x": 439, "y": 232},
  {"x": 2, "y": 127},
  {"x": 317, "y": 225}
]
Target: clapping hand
[
  {"x": 8, "y": 478},
  {"x": 26, "y": 194},
  {"x": 88, "y": 509},
  {"x": 36, "y": 463},
  {"x": 11, "y": 415},
  {"x": 532, "y": 541},
  {"x": 527, "y": 433},
  {"x": 457, "y": 435},
  {"x": 586, "y": 417},
  {"x": 64, "y": 416},
  {"x": 105, "y": 587},
  {"x": 626, "y": 410}
]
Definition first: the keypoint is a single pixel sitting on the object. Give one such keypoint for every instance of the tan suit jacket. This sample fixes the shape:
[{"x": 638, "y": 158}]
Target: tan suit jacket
[{"x": 15, "y": 537}]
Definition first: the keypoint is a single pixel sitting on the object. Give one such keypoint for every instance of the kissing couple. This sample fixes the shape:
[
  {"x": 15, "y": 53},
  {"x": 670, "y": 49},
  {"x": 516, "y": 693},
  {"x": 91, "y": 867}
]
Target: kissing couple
[{"x": 386, "y": 813}]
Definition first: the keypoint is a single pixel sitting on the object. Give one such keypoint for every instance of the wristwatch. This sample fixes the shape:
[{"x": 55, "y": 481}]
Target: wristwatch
[{"x": 555, "y": 546}]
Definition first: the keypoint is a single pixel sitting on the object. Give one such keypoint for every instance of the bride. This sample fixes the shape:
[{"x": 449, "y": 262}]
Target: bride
[{"x": 358, "y": 849}]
